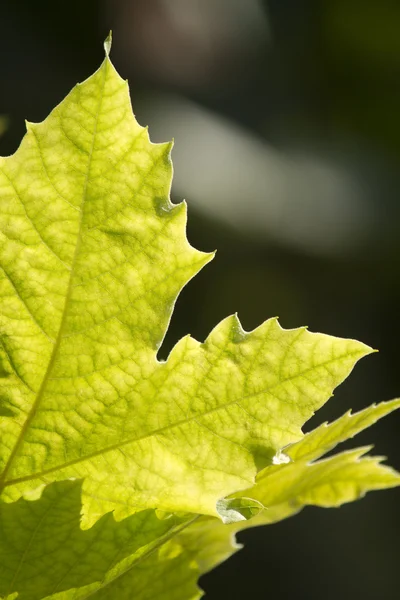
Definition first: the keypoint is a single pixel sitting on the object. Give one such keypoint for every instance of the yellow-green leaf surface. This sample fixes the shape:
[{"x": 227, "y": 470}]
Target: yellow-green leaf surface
[
  {"x": 330, "y": 482},
  {"x": 93, "y": 255},
  {"x": 326, "y": 437}
]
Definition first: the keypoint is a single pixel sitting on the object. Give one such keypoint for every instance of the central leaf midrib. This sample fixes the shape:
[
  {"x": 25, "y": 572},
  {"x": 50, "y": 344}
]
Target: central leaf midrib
[{"x": 19, "y": 442}]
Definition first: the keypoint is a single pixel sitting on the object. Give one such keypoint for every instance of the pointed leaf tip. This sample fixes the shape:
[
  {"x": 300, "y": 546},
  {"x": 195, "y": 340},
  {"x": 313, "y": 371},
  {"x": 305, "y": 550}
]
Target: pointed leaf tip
[{"x": 107, "y": 44}]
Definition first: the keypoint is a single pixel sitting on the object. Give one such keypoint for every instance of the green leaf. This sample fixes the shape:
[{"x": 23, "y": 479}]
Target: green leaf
[
  {"x": 93, "y": 255},
  {"x": 326, "y": 437},
  {"x": 186, "y": 451},
  {"x": 330, "y": 482}
]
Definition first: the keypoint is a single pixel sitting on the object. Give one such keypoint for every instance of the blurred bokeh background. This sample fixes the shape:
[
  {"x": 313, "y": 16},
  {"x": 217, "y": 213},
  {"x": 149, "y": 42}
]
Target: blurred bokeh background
[{"x": 286, "y": 119}]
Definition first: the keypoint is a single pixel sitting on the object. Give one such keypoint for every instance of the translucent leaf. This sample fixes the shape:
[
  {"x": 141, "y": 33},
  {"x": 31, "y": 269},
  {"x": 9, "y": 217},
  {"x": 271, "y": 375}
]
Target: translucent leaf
[
  {"x": 330, "y": 482},
  {"x": 186, "y": 451},
  {"x": 318, "y": 442},
  {"x": 93, "y": 255}
]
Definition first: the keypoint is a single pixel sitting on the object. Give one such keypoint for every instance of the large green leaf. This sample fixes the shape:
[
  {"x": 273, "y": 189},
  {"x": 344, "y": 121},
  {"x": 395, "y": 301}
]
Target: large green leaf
[
  {"x": 190, "y": 450},
  {"x": 93, "y": 255}
]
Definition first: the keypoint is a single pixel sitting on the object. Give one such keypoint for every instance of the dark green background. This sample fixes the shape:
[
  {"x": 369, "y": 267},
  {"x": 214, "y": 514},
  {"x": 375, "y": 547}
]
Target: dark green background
[{"x": 327, "y": 78}]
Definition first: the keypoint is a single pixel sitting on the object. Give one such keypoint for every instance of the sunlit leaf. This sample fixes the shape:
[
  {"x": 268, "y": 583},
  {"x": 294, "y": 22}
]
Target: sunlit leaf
[
  {"x": 186, "y": 451},
  {"x": 93, "y": 255}
]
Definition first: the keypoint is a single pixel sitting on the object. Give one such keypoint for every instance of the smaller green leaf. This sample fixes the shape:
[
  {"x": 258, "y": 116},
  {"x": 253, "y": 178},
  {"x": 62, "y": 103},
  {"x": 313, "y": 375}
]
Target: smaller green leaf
[
  {"x": 324, "y": 438},
  {"x": 343, "y": 478},
  {"x": 332, "y": 481}
]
